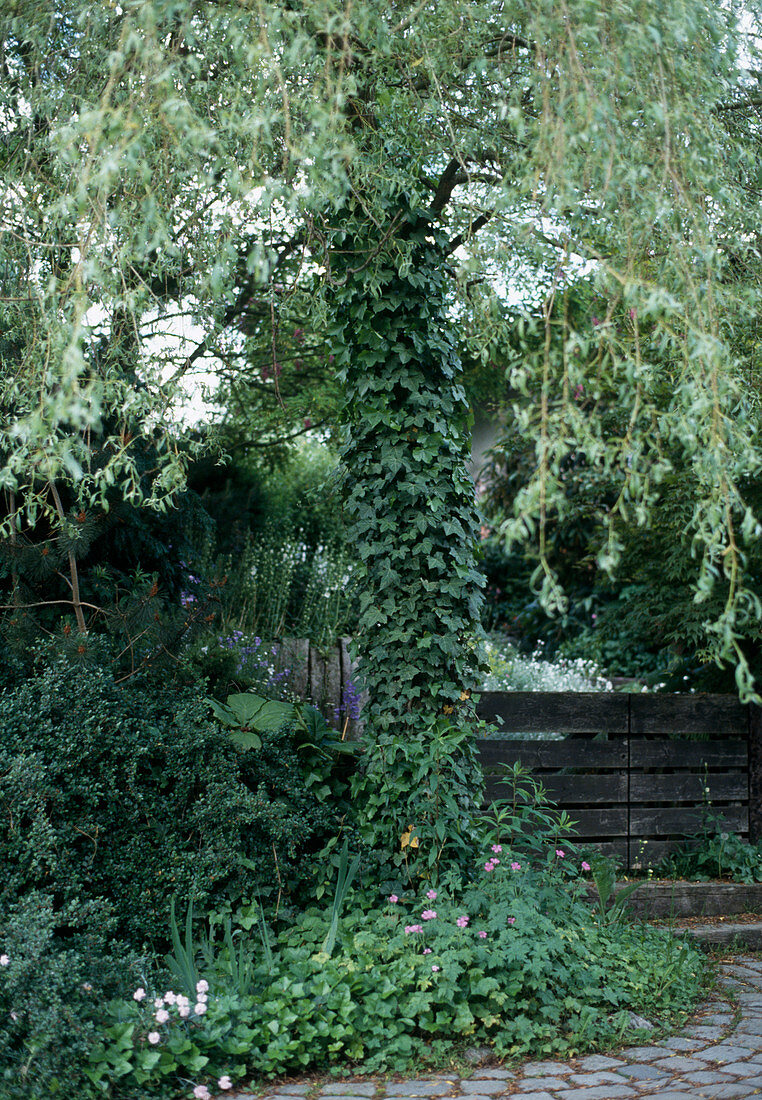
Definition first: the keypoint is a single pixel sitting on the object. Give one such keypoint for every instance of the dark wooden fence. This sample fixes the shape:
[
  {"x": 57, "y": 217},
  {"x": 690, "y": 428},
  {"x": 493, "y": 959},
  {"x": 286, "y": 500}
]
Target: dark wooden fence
[{"x": 631, "y": 769}]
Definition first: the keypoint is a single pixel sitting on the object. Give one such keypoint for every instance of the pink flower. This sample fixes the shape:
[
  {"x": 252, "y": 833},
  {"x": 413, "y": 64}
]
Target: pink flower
[
  {"x": 427, "y": 950},
  {"x": 202, "y": 986},
  {"x": 201, "y": 1092},
  {"x": 633, "y": 314},
  {"x": 162, "y": 1016},
  {"x": 462, "y": 922},
  {"x": 585, "y": 865},
  {"x": 154, "y": 1038},
  {"x": 413, "y": 928},
  {"x": 489, "y": 865},
  {"x": 495, "y": 861},
  {"x": 139, "y": 994},
  {"x": 435, "y": 969},
  {"x": 482, "y": 934},
  {"x": 515, "y": 866},
  {"x": 510, "y": 920},
  {"x": 431, "y": 895},
  {"x": 560, "y": 853},
  {"x": 225, "y": 1082},
  {"x": 497, "y": 849},
  {"x": 199, "y": 1008},
  {"x": 428, "y": 914},
  {"x": 393, "y": 899}
]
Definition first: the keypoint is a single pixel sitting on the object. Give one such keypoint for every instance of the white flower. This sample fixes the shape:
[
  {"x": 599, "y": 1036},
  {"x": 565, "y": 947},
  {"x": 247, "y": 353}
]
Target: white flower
[
  {"x": 154, "y": 1038},
  {"x": 184, "y": 1011},
  {"x": 159, "y": 1002},
  {"x": 199, "y": 1008},
  {"x": 170, "y": 998},
  {"x": 225, "y": 1082},
  {"x": 4, "y": 960},
  {"x": 201, "y": 1092},
  {"x": 182, "y": 1001},
  {"x": 162, "y": 1016},
  {"x": 202, "y": 986},
  {"x": 202, "y": 998}
]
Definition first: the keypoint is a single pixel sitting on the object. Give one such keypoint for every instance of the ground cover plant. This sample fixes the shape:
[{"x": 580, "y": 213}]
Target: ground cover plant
[{"x": 509, "y": 953}]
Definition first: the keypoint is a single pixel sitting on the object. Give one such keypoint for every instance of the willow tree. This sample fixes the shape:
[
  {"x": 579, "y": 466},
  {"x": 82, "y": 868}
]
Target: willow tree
[{"x": 403, "y": 169}]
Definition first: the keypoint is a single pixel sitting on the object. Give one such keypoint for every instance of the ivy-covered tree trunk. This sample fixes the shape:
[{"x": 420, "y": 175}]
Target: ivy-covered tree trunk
[{"x": 410, "y": 508}]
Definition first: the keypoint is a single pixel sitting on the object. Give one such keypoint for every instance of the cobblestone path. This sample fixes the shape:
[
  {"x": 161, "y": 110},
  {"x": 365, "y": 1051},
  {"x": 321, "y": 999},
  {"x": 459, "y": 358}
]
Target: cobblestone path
[{"x": 718, "y": 1055}]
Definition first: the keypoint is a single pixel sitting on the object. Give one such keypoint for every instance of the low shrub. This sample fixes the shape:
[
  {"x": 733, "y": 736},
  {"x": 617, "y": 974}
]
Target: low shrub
[
  {"x": 56, "y": 970},
  {"x": 131, "y": 794},
  {"x": 510, "y": 955}
]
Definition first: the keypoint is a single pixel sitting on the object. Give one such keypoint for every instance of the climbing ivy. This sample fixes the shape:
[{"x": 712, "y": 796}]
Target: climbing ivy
[{"x": 410, "y": 507}]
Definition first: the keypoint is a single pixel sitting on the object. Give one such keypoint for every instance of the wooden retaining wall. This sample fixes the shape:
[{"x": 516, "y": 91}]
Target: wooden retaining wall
[{"x": 631, "y": 769}]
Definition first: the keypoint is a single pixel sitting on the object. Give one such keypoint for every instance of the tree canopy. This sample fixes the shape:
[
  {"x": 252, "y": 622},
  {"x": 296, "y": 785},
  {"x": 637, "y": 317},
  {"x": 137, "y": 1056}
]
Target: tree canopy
[{"x": 205, "y": 183}]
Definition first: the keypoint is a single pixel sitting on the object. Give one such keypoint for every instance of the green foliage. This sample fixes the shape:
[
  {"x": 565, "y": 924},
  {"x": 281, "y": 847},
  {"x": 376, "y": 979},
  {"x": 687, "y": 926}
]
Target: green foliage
[
  {"x": 512, "y": 956},
  {"x": 279, "y": 586},
  {"x": 526, "y": 818},
  {"x": 410, "y": 515},
  {"x": 716, "y": 855},
  {"x": 60, "y": 971},
  {"x": 131, "y": 794},
  {"x": 611, "y": 903}
]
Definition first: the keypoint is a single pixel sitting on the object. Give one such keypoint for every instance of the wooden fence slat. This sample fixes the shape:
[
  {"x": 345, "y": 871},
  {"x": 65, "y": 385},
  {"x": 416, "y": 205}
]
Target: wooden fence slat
[
  {"x": 682, "y": 787},
  {"x": 660, "y": 821},
  {"x": 569, "y": 790},
  {"x": 554, "y": 754},
  {"x": 555, "y": 712},
  {"x": 607, "y": 823},
  {"x": 716, "y": 715},
  {"x": 688, "y": 754}
]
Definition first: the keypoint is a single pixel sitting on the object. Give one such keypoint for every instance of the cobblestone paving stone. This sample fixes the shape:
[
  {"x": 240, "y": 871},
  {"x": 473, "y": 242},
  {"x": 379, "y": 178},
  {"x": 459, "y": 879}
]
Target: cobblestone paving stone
[{"x": 718, "y": 1056}]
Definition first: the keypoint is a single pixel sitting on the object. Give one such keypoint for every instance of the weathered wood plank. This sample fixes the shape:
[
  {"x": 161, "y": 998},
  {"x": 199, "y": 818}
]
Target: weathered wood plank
[
  {"x": 554, "y": 754},
  {"x": 555, "y": 712},
  {"x": 682, "y": 787},
  {"x": 570, "y": 790},
  {"x": 755, "y": 773},
  {"x": 614, "y": 849},
  {"x": 295, "y": 656},
  {"x": 604, "y": 823},
  {"x": 661, "y": 821},
  {"x": 716, "y": 715},
  {"x": 317, "y": 677},
  {"x": 688, "y": 754}
]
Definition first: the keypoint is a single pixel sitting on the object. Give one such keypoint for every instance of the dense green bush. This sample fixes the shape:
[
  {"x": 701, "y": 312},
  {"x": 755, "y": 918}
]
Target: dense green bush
[
  {"x": 57, "y": 971},
  {"x": 131, "y": 794}
]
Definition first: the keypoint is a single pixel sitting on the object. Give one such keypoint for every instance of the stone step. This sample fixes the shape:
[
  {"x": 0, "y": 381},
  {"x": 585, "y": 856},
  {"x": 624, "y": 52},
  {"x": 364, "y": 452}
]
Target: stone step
[
  {"x": 726, "y": 935},
  {"x": 691, "y": 899}
]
